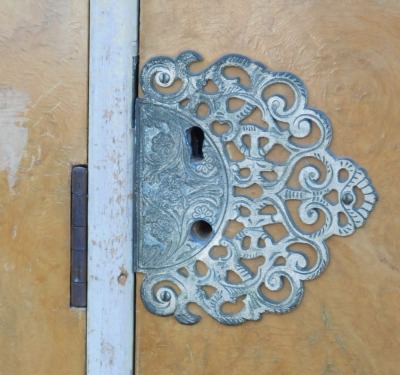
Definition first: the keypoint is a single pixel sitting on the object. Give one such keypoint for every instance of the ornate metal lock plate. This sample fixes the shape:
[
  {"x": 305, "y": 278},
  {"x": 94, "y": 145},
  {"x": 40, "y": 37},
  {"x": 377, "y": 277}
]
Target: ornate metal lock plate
[{"x": 206, "y": 164}]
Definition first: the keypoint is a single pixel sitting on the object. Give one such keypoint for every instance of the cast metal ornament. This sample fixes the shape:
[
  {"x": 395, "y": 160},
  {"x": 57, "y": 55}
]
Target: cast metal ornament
[{"x": 187, "y": 207}]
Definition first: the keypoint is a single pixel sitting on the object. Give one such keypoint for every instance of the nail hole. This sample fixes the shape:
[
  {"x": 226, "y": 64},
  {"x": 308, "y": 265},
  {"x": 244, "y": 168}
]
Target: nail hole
[{"x": 201, "y": 230}]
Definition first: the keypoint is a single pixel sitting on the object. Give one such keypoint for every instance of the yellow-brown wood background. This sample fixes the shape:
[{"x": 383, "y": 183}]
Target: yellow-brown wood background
[
  {"x": 43, "y": 107},
  {"x": 348, "y": 55}
]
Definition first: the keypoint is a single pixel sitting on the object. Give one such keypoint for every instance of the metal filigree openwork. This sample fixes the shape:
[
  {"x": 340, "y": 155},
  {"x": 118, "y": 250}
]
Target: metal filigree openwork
[{"x": 264, "y": 164}]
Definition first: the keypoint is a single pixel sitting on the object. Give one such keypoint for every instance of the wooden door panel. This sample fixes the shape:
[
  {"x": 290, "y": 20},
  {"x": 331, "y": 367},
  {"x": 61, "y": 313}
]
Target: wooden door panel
[
  {"x": 43, "y": 107},
  {"x": 347, "y": 54}
]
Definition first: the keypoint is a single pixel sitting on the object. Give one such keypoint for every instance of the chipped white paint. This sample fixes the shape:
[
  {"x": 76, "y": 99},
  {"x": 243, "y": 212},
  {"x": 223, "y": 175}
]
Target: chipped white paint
[
  {"x": 110, "y": 314},
  {"x": 13, "y": 134},
  {"x": 7, "y": 267},
  {"x": 14, "y": 232}
]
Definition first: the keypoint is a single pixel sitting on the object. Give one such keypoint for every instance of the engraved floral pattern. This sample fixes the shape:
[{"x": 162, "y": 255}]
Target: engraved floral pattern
[
  {"x": 161, "y": 230},
  {"x": 172, "y": 187},
  {"x": 162, "y": 144},
  {"x": 202, "y": 212}
]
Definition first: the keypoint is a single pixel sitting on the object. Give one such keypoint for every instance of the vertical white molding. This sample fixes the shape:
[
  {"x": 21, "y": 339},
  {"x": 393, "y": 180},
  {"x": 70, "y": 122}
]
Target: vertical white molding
[{"x": 110, "y": 312}]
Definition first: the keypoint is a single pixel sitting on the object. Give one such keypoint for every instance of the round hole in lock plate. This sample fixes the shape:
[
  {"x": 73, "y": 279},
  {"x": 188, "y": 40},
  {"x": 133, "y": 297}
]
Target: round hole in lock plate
[{"x": 201, "y": 230}]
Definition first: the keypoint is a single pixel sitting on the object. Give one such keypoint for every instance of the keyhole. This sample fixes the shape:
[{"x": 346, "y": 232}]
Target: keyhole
[{"x": 196, "y": 139}]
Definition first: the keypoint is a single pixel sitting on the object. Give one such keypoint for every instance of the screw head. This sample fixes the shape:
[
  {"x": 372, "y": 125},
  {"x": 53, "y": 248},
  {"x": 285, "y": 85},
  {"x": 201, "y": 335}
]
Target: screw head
[
  {"x": 347, "y": 198},
  {"x": 164, "y": 78},
  {"x": 165, "y": 296}
]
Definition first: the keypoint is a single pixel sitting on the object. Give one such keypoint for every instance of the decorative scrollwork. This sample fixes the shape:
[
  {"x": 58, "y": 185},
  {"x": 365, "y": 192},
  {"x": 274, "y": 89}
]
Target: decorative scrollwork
[{"x": 186, "y": 206}]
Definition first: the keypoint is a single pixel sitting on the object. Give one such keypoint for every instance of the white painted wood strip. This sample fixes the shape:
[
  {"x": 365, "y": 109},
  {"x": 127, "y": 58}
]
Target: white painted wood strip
[{"x": 110, "y": 313}]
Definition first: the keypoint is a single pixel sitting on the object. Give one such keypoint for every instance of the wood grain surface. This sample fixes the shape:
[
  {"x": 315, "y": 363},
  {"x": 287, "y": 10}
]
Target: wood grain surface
[
  {"x": 43, "y": 110},
  {"x": 347, "y": 53}
]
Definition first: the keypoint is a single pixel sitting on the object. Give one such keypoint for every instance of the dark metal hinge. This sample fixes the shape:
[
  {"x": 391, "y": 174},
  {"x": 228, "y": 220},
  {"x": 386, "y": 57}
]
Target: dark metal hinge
[{"x": 79, "y": 200}]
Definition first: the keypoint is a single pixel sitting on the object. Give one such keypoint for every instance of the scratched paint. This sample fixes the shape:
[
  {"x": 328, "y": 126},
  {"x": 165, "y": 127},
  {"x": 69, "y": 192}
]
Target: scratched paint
[
  {"x": 13, "y": 132},
  {"x": 110, "y": 289}
]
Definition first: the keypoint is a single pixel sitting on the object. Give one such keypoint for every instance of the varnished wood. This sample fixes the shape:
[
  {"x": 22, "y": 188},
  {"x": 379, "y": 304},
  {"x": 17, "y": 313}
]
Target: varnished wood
[
  {"x": 347, "y": 53},
  {"x": 43, "y": 110}
]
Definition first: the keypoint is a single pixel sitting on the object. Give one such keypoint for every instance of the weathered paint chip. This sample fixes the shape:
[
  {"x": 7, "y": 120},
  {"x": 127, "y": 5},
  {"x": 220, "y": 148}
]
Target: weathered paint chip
[{"x": 13, "y": 135}]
